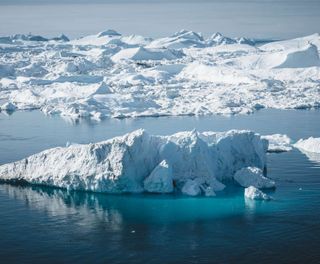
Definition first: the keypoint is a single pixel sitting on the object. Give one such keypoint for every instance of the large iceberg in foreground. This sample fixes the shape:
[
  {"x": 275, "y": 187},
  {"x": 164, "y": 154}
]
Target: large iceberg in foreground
[{"x": 189, "y": 162}]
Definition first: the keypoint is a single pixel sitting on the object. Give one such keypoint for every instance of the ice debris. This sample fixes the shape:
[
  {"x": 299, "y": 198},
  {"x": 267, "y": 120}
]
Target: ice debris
[
  {"x": 310, "y": 147},
  {"x": 255, "y": 194}
]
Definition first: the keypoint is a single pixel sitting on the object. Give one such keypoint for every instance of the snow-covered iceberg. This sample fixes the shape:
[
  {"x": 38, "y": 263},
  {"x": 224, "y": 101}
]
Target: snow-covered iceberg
[
  {"x": 140, "y": 53},
  {"x": 310, "y": 147},
  {"x": 180, "y": 40},
  {"x": 253, "y": 176},
  {"x": 189, "y": 162},
  {"x": 183, "y": 74},
  {"x": 310, "y": 144}
]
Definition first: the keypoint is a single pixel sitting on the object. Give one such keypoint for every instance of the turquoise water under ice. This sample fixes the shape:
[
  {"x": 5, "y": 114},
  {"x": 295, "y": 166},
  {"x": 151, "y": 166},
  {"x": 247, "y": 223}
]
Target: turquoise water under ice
[{"x": 39, "y": 224}]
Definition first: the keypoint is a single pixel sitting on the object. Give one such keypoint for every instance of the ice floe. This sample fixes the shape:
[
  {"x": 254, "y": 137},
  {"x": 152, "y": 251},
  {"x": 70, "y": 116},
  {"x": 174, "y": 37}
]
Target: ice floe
[
  {"x": 310, "y": 144},
  {"x": 111, "y": 75},
  {"x": 310, "y": 147},
  {"x": 278, "y": 143},
  {"x": 189, "y": 162}
]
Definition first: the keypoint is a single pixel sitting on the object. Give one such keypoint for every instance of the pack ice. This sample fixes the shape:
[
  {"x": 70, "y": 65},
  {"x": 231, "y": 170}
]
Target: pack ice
[
  {"x": 110, "y": 75},
  {"x": 188, "y": 162}
]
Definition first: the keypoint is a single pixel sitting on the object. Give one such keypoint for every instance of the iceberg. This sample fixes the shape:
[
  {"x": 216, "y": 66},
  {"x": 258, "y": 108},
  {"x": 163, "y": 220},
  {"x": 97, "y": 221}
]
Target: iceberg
[
  {"x": 218, "y": 39},
  {"x": 252, "y": 176},
  {"x": 278, "y": 143},
  {"x": 179, "y": 40},
  {"x": 301, "y": 57},
  {"x": 310, "y": 144},
  {"x": 141, "y": 53},
  {"x": 136, "y": 40},
  {"x": 182, "y": 74},
  {"x": 9, "y": 107},
  {"x": 255, "y": 194},
  {"x": 188, "y": 162},
  {"x": 108, "y": 32},
  {"x": 292, "y": 43}
]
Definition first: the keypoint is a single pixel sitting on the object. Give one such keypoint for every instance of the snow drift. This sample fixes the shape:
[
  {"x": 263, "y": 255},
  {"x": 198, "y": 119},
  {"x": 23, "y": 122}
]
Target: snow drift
[
  {"x": 189, "y": 162},
  {"x": 306, "y": 56}
]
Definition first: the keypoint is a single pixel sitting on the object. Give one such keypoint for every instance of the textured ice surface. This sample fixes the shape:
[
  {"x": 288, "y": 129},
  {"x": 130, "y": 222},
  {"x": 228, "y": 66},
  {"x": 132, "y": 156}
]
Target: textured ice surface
[
  {"x": 189, "y": 162},
  {"x": 310, "y": 147},
  {"x": 278, "y": 143},
  {"x": 110, "y": 75},
  {"x": 310, "y": 144},
  {"x": 160, "y": 179},
  {"x": 252, "y": 176},
  {"x": 255, "y": 194}
]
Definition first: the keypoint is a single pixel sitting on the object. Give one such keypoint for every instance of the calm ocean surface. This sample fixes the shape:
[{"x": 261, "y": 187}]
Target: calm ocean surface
[{"x": 42, "y": 225}]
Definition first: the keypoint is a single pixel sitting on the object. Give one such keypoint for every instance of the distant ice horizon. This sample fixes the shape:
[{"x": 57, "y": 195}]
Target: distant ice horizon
[{"x": 264, "y": 19}]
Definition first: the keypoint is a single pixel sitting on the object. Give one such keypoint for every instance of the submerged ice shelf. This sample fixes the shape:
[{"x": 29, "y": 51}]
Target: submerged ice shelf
[
  {"x": 110, "y": 75},
  {"x": 188, "y": 162}
]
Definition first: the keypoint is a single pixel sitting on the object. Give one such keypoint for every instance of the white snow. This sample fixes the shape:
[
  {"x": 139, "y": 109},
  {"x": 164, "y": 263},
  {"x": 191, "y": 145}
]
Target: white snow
[
  {"x": 278, "y": 143},
  {"x": 255, "y": 194},
  {"x": 190, "y": 162},
  {"x": 140, "y": 54},
  {"x": 252, "y": 176},
  {"x": 310, "y": 144},
  {"x": 110, "y": 75},
  {"x": 180, "y": 40}
]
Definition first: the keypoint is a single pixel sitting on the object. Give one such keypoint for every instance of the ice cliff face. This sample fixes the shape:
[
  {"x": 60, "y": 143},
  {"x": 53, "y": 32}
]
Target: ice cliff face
[
  {"x": 182, "y": 74},
  {"x": 189, "y": 162}
]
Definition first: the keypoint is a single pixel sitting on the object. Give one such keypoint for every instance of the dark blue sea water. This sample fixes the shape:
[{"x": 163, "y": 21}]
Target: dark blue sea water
[{"x": 45, "y": 225}]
